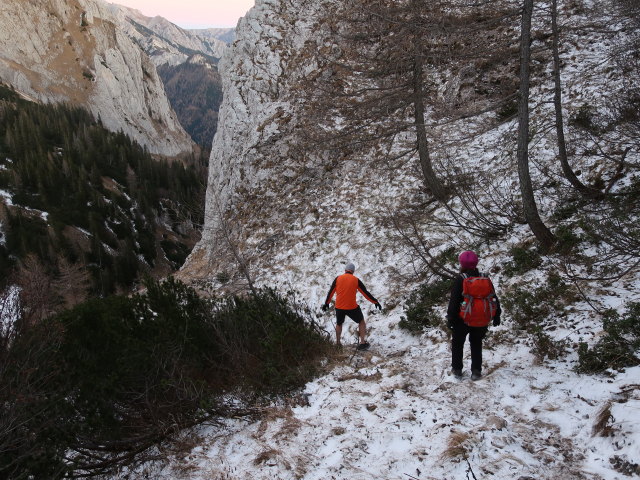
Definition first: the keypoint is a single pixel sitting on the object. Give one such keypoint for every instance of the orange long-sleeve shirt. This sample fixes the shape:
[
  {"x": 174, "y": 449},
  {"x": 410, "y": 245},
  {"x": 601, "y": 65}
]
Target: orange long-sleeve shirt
[{"x": 345, "y": 287}]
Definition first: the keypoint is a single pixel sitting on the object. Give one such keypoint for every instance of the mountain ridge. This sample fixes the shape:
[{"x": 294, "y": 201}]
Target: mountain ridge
[
  {"x": 79, "y": 55},
  {"x": 165, "y": 42}
]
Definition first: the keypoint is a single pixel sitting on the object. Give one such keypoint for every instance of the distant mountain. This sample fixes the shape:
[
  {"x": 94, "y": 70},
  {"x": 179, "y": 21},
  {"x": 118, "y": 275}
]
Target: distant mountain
[
  {"x": 187, "y": 61},
  {"x": 78, "y": 54},
  {"x": 226, "y": 35},
  {"x": 165, "y": 42}
]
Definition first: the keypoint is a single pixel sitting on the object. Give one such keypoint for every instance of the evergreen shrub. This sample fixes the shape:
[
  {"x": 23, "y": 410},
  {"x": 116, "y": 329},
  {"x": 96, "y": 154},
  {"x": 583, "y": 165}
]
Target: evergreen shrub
[
  {"x": 618, "y": 348},
  {"x": 568, "y": 240},
  {"x": 532, "y": 310},
  {"x": 524, "y": 259},
  {"x": 530, "y": 307},
  {"x": 94, "y": 386},
  {"x": 420, "y": 311}
]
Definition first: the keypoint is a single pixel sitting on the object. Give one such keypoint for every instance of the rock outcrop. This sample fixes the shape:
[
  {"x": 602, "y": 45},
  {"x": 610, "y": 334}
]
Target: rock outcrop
[{"x": 73, "y": 51}]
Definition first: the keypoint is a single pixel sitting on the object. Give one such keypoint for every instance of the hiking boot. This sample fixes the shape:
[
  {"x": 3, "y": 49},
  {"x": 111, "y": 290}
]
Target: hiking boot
[
  {"x": 476, "y": 375},
  {"x": 363, "y": 346},
  {"x": 456, "y": 372}
]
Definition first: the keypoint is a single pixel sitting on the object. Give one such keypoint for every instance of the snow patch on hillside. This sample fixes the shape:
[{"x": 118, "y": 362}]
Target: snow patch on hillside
[{"x": 395, "y": 412}]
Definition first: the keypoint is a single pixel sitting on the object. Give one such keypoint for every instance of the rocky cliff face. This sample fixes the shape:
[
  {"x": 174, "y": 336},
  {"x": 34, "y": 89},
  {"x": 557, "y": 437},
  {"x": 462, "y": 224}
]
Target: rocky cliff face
[
  {"x": 271, "y": 204},
  {"x": 72, "y": 51}
]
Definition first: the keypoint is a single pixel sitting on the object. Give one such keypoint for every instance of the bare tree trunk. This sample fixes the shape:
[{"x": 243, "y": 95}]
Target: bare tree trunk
[
  {"x": 557, "y": 101},
  {"x": 431, "y": 181},
  {"x": 226, "y": 231},
  {"x": 539, "y": 229}
]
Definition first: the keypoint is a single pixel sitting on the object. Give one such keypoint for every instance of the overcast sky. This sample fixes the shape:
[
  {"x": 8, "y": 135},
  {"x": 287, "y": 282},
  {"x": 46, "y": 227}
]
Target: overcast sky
[{"x": 193, "y": 13}]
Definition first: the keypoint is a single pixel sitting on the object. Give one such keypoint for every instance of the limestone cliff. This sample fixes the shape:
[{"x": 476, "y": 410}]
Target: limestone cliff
[
  {"x": 273, "y": 204},
  {"x": 166, "y": 43},
  {"x": 73, "y": 51}
]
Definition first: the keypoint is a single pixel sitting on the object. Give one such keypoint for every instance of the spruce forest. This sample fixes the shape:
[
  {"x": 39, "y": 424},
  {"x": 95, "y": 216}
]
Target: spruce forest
[{"x": 89, "y": 201}]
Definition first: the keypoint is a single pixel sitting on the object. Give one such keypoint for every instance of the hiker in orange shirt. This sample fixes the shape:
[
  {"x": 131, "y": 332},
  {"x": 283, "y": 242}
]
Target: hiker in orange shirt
[{"x": 345, "y": 287}]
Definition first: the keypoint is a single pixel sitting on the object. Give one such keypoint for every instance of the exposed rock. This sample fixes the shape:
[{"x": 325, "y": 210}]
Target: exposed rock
[
  {"x": 73, "y": 51},
  {"x": 165, "y": 42}
]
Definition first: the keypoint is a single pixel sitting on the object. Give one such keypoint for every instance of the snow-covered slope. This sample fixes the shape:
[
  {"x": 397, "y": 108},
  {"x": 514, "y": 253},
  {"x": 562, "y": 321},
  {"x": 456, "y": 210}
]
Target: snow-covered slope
[
  {"x": 295, "y": 217},
  {"x": 73, "y": 51},
  {"x": 395, "y": 413}
]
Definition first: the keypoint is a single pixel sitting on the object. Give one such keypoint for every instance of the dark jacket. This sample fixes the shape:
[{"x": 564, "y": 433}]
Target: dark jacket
[{"x": 453, "y": 311}]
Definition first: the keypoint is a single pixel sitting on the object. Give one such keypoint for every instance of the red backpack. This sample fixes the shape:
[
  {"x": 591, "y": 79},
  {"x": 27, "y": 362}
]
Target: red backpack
[{"x": 479, "y": 303}]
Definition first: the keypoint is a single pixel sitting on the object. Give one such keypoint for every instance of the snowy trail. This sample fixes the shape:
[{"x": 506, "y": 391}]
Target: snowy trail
[{"x": 395, "y": 412}]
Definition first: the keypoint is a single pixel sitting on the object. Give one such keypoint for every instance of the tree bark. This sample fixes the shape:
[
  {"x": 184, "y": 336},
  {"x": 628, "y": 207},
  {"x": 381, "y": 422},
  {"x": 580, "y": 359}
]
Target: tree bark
[
  {"x": 539, "y": 229},
  {"x": 557, "y": 102},
  {"x": 431, "y": 181}
]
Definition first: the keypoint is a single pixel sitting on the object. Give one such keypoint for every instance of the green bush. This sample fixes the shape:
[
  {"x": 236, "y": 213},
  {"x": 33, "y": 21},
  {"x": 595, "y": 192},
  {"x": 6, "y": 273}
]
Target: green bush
[
  {"x": 546, "y": 347},
  {"x": 529, "y": 307},
  {"x": 618, "y": 348},
  {"x": 420, "y": 306},
  {"x": 567, "y": 239},
  {"x": 94, "y": 386},
  {"x": 523, "y": 260},
  {"x": 269, "y": 341}
]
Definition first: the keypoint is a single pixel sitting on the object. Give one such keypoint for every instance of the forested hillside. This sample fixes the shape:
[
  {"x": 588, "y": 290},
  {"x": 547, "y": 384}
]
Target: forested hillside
[
  {"x": 195, "y": 92},
  {"x": 76, "y": 197}
]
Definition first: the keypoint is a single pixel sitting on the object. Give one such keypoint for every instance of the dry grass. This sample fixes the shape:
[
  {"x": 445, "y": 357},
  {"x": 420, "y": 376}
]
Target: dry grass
[
  {"x": 374, "y": 377},
  {"x": 267, "y": 456},
  {"x": 602, "y": 427},
  {"x": 456, "y": 445}
]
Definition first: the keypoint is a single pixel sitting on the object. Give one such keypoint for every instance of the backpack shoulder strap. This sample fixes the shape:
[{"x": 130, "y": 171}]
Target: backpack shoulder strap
[
  {"x": 485, "y": 275},
  {"x": 465, "y": 287}
]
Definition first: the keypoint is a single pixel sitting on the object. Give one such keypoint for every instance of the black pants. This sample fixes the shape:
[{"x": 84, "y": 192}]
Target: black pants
[{"x": 476, "y": 334}]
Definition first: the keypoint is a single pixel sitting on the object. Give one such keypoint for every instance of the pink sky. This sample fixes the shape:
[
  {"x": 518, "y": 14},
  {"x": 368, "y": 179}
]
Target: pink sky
[{"x": 193, "y": 13}]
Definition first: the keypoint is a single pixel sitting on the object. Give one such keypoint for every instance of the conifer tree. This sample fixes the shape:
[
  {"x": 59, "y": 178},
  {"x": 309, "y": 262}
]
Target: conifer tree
[{"x": 539, "y": 229}]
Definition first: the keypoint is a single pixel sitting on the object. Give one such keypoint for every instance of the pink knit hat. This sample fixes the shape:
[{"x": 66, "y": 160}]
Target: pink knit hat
[{"x": 468, "y": 259}]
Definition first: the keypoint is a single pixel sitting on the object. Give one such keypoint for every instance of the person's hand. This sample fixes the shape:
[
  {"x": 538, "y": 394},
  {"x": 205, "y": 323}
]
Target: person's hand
[
  {"x": 378, "y": 306},
  {"x": 324, "y": 307},
  {"x": 449, "y": 324},
  {"x": 496, "y": 321}
]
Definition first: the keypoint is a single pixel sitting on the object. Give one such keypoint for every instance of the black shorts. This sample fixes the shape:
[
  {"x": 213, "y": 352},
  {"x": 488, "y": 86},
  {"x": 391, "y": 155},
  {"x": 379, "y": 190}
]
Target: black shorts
[{"x": 355, "y": 315}]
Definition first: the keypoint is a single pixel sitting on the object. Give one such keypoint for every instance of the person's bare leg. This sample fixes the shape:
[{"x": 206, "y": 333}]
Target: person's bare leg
[
  {"x": 362, "y": 331},
  {"x": 338, "y": 334}
]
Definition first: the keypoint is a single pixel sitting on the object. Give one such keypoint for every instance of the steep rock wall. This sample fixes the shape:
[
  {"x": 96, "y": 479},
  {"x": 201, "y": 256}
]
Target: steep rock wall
[
  {"x": 72, "y": 51},
  {"x": 277, "y": 205}
]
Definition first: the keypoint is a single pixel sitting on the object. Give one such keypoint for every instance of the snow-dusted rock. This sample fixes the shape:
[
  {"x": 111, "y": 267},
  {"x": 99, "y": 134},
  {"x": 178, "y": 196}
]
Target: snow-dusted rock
[
  {"x": 73, "y": 51},
  {"x": 166, "y": 43}
]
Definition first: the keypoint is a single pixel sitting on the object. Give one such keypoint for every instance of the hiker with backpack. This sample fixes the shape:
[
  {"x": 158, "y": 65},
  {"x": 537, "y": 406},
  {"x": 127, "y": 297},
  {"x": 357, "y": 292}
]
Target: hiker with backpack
[
  {"x": 345, "y": 287},
  {"x": 472, "y": 306}
]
